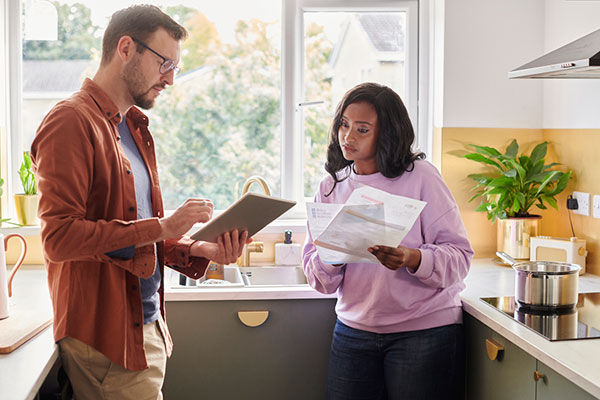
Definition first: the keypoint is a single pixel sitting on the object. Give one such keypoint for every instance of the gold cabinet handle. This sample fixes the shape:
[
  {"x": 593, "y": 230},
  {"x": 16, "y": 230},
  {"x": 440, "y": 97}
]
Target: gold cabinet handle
[
  {"x": 494, "y": 349},
  {"x": 253, "y": 318},
  {"x": 537, "y": 376}
]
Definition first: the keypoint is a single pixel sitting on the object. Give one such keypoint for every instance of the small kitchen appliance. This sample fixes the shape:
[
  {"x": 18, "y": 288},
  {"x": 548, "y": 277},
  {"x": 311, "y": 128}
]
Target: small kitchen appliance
[
  {"x": 573, "y": 323},
  {"x": 567, "y": 250}
]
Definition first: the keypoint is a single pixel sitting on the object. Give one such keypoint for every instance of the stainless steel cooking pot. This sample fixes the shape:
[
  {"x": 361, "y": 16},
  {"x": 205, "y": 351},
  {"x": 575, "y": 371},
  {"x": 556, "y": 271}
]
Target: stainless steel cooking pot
[{"x": 544, "y": 283}]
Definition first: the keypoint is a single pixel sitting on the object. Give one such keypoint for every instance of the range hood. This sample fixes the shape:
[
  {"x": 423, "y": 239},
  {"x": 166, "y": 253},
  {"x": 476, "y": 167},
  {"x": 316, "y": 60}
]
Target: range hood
[{"x": 579, "y": 59}]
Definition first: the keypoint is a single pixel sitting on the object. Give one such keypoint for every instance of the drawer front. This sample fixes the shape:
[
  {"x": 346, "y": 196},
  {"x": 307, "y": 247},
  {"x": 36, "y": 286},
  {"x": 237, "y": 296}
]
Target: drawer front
[
  {"x": 553, "y": 386},
  {"x": 281, "y": 355},
  {"x": 509, "y": 376}
]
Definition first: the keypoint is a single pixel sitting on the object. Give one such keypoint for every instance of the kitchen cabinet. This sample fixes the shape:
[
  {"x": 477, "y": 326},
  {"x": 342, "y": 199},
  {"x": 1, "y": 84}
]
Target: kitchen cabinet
[
  {"x": 216, "y": 356},
  {"x": 553, "y": 386},
  {"x": 514, "y": 374}
]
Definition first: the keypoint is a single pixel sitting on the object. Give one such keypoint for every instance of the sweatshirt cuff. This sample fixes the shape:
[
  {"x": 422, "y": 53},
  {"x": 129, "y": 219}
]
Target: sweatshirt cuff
[{"x": 425, "y": 269}]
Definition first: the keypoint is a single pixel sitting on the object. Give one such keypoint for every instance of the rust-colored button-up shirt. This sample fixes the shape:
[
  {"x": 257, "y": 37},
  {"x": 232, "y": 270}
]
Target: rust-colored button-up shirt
[{"x": 87, "y": 209}]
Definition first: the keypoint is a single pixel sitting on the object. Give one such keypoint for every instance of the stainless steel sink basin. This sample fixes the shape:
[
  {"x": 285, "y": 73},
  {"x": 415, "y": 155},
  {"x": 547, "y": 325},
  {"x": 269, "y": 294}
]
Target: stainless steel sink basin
[{"x": 275, "y": 275}]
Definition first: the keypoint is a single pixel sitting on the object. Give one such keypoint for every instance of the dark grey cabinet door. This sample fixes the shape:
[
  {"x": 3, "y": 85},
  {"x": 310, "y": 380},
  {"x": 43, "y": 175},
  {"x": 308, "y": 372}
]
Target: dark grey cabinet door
[
  {"x": 554, "y": 386},
  {"x": 217, "y": 357},
  {"x": 509, "y": 377}
]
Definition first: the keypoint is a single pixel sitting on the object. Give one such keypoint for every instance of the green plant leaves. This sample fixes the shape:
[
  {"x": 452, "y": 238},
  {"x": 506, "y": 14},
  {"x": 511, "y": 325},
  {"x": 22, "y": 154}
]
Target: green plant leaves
[
  {"x": 482, "y": 159},
  {"x": 512, "y": 149},
  {"x": 524, "y": 180},
  {"x": 539, "y": 152},
  {"x": 26, "y": 175}
]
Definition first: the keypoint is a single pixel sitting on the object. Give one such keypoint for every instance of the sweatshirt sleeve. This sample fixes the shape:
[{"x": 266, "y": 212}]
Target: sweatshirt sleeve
[
  {"x": 446, "y": 253},
  {"x": 324, "y": 278}
]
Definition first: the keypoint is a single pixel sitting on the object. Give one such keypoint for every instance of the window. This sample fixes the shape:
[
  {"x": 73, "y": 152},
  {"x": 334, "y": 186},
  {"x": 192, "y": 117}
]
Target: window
[{"x": 259, "y": 84}]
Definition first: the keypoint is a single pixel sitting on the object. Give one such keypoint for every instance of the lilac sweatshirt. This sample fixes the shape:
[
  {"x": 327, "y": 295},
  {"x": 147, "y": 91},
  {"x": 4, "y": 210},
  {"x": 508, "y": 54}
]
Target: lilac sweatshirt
[{"x": 373, "y": 298}]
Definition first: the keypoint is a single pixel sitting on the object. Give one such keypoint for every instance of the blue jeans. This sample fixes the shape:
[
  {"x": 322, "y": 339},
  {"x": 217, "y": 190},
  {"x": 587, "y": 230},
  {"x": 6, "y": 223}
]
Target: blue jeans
[{"x": 426, "y": 364}]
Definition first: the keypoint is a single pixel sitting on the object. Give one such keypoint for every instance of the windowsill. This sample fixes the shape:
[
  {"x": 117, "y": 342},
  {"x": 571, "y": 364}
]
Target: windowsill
[{"x": 33, "y": 230}]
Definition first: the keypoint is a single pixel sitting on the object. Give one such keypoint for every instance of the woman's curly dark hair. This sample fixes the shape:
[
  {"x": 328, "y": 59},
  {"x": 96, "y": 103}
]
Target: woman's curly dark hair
[{"x": 396, "y": 135}]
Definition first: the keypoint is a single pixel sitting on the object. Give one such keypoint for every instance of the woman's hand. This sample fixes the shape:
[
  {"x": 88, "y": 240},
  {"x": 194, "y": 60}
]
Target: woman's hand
[
  {"x": 227, "y": 250},
  {"x": 397, "y": 257}
]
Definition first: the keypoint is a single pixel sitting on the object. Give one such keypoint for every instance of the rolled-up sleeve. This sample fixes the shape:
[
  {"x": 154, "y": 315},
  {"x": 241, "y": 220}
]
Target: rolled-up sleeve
[{"x": 177, "y": 257}]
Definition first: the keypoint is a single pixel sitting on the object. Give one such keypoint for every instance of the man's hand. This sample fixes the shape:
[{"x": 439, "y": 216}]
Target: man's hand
[
  {"x": 227, "y": 250},
  {"x": 397, "y": 257},
  {"x": 182, "y": 220}
]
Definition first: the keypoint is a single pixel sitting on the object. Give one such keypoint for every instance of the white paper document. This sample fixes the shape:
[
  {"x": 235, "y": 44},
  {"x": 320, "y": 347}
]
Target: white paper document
[{"x": 342, "y": 233}]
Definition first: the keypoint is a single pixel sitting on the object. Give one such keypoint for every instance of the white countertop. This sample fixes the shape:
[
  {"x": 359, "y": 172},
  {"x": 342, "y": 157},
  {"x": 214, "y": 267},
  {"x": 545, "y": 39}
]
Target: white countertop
[
  {"x": 23, "y": 371},
  {"x": 245, "y": 293},
  {"x": 576, "y": 360}
]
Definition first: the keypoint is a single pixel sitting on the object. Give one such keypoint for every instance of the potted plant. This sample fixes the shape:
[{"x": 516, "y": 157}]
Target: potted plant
[
  {"x": 27, "y": 203},
  {"x": 518, "y": 182}
]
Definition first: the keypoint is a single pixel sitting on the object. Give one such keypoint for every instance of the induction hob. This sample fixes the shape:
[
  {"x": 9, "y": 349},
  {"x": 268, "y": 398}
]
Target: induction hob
[{"x": 579, "y": 322}]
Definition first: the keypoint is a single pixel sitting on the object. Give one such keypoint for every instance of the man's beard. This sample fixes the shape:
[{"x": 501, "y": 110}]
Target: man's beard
[{"x": 135, "y": 81}]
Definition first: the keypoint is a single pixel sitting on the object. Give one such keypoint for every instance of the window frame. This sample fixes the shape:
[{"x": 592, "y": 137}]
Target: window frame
[
  {"x": 293, "y": 82},
  {"x": 292, "y": 79}
]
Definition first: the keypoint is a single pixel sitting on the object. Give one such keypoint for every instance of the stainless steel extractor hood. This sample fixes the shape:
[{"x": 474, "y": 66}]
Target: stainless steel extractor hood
[{"x": 577, "y": 60}]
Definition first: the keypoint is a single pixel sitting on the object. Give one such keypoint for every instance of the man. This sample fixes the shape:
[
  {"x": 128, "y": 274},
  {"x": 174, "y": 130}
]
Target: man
[{"x": 106, "y": 239}]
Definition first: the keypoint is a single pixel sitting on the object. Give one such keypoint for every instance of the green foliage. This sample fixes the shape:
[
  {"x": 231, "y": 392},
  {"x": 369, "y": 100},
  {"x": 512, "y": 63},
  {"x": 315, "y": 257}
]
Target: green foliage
[
  {"x": 518, "y": 183},
  {"x": 217, "y": 127},
  {"x": 78, "y": 38},
  {"x": 26, "y": 175},
  {"x": 203, "y": 40},
  {"x": 1, "y": 188},
  {"x": 220, "y": 125}
]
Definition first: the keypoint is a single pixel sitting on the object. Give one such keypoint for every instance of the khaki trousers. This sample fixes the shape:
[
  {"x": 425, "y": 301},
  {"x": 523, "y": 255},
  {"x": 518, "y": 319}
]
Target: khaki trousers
[{"x": 93, "y": 376}]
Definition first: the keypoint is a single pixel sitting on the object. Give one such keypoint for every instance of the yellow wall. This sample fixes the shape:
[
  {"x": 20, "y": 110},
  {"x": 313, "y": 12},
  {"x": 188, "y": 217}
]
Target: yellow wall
[
  {"x": 34, "y": 250},
  {"x": 575, "y": 149}
]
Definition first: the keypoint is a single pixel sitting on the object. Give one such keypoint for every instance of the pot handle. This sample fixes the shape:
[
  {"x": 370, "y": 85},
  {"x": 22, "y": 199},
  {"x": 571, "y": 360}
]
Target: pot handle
[{"x": 506, "y": 258}]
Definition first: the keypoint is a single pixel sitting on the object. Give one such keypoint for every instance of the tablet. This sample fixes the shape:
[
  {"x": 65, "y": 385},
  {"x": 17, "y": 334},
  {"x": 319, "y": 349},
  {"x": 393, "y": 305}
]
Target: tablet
[{"x": 252, "y": 212}]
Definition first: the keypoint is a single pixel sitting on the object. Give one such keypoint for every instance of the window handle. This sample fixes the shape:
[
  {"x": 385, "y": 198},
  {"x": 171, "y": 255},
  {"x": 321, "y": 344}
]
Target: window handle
[{"x": 308, "y": 104}]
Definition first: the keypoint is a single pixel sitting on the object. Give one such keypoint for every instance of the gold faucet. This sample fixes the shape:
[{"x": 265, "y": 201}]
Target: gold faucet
[
  {"x": 254, "y": 247},
  {"x": 256, "y": 179}
]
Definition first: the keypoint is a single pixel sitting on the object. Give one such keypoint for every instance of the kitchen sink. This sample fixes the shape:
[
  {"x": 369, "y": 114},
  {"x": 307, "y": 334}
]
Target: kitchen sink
[{"x": 273, "y": 275}]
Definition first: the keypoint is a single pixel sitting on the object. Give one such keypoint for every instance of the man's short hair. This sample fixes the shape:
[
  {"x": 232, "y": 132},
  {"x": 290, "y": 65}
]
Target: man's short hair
[{"x": 138, "y": 21}]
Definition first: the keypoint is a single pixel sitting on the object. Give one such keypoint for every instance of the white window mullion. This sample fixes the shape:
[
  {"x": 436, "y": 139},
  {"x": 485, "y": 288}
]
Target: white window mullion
[
  {"x": 291, "y": 94},
  {"x": 15, "y": 76}
]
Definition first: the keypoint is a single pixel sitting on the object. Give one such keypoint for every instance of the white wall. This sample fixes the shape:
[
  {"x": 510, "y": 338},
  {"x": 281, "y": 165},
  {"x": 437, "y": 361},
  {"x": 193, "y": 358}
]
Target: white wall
[
  {"x": 3, "y": 62},
  {"x": 570, "y": 103},
  {"x": 483, "y": 40}
]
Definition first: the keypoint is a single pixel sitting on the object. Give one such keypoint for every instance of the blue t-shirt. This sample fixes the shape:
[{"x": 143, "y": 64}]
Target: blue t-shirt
[{"x": 149, "y": 287}]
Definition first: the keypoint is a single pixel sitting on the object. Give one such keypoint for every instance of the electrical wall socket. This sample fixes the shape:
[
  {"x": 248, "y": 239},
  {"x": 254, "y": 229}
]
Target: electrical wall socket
[
  {"x": 583, "y": 203},
  {"x": 596, "y": 206}
]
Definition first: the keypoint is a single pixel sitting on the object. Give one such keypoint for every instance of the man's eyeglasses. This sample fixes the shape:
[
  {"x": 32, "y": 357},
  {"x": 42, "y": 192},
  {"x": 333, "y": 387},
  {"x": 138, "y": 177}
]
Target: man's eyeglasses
[{"x": 167, "y": 64}]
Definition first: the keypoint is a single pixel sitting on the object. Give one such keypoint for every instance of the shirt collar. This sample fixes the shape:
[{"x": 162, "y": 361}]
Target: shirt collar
[{"x": 109, "y": 108}]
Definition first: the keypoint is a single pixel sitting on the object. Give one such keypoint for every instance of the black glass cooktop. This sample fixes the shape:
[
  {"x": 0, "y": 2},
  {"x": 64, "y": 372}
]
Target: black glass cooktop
[{"x": 579, "y": 322}]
